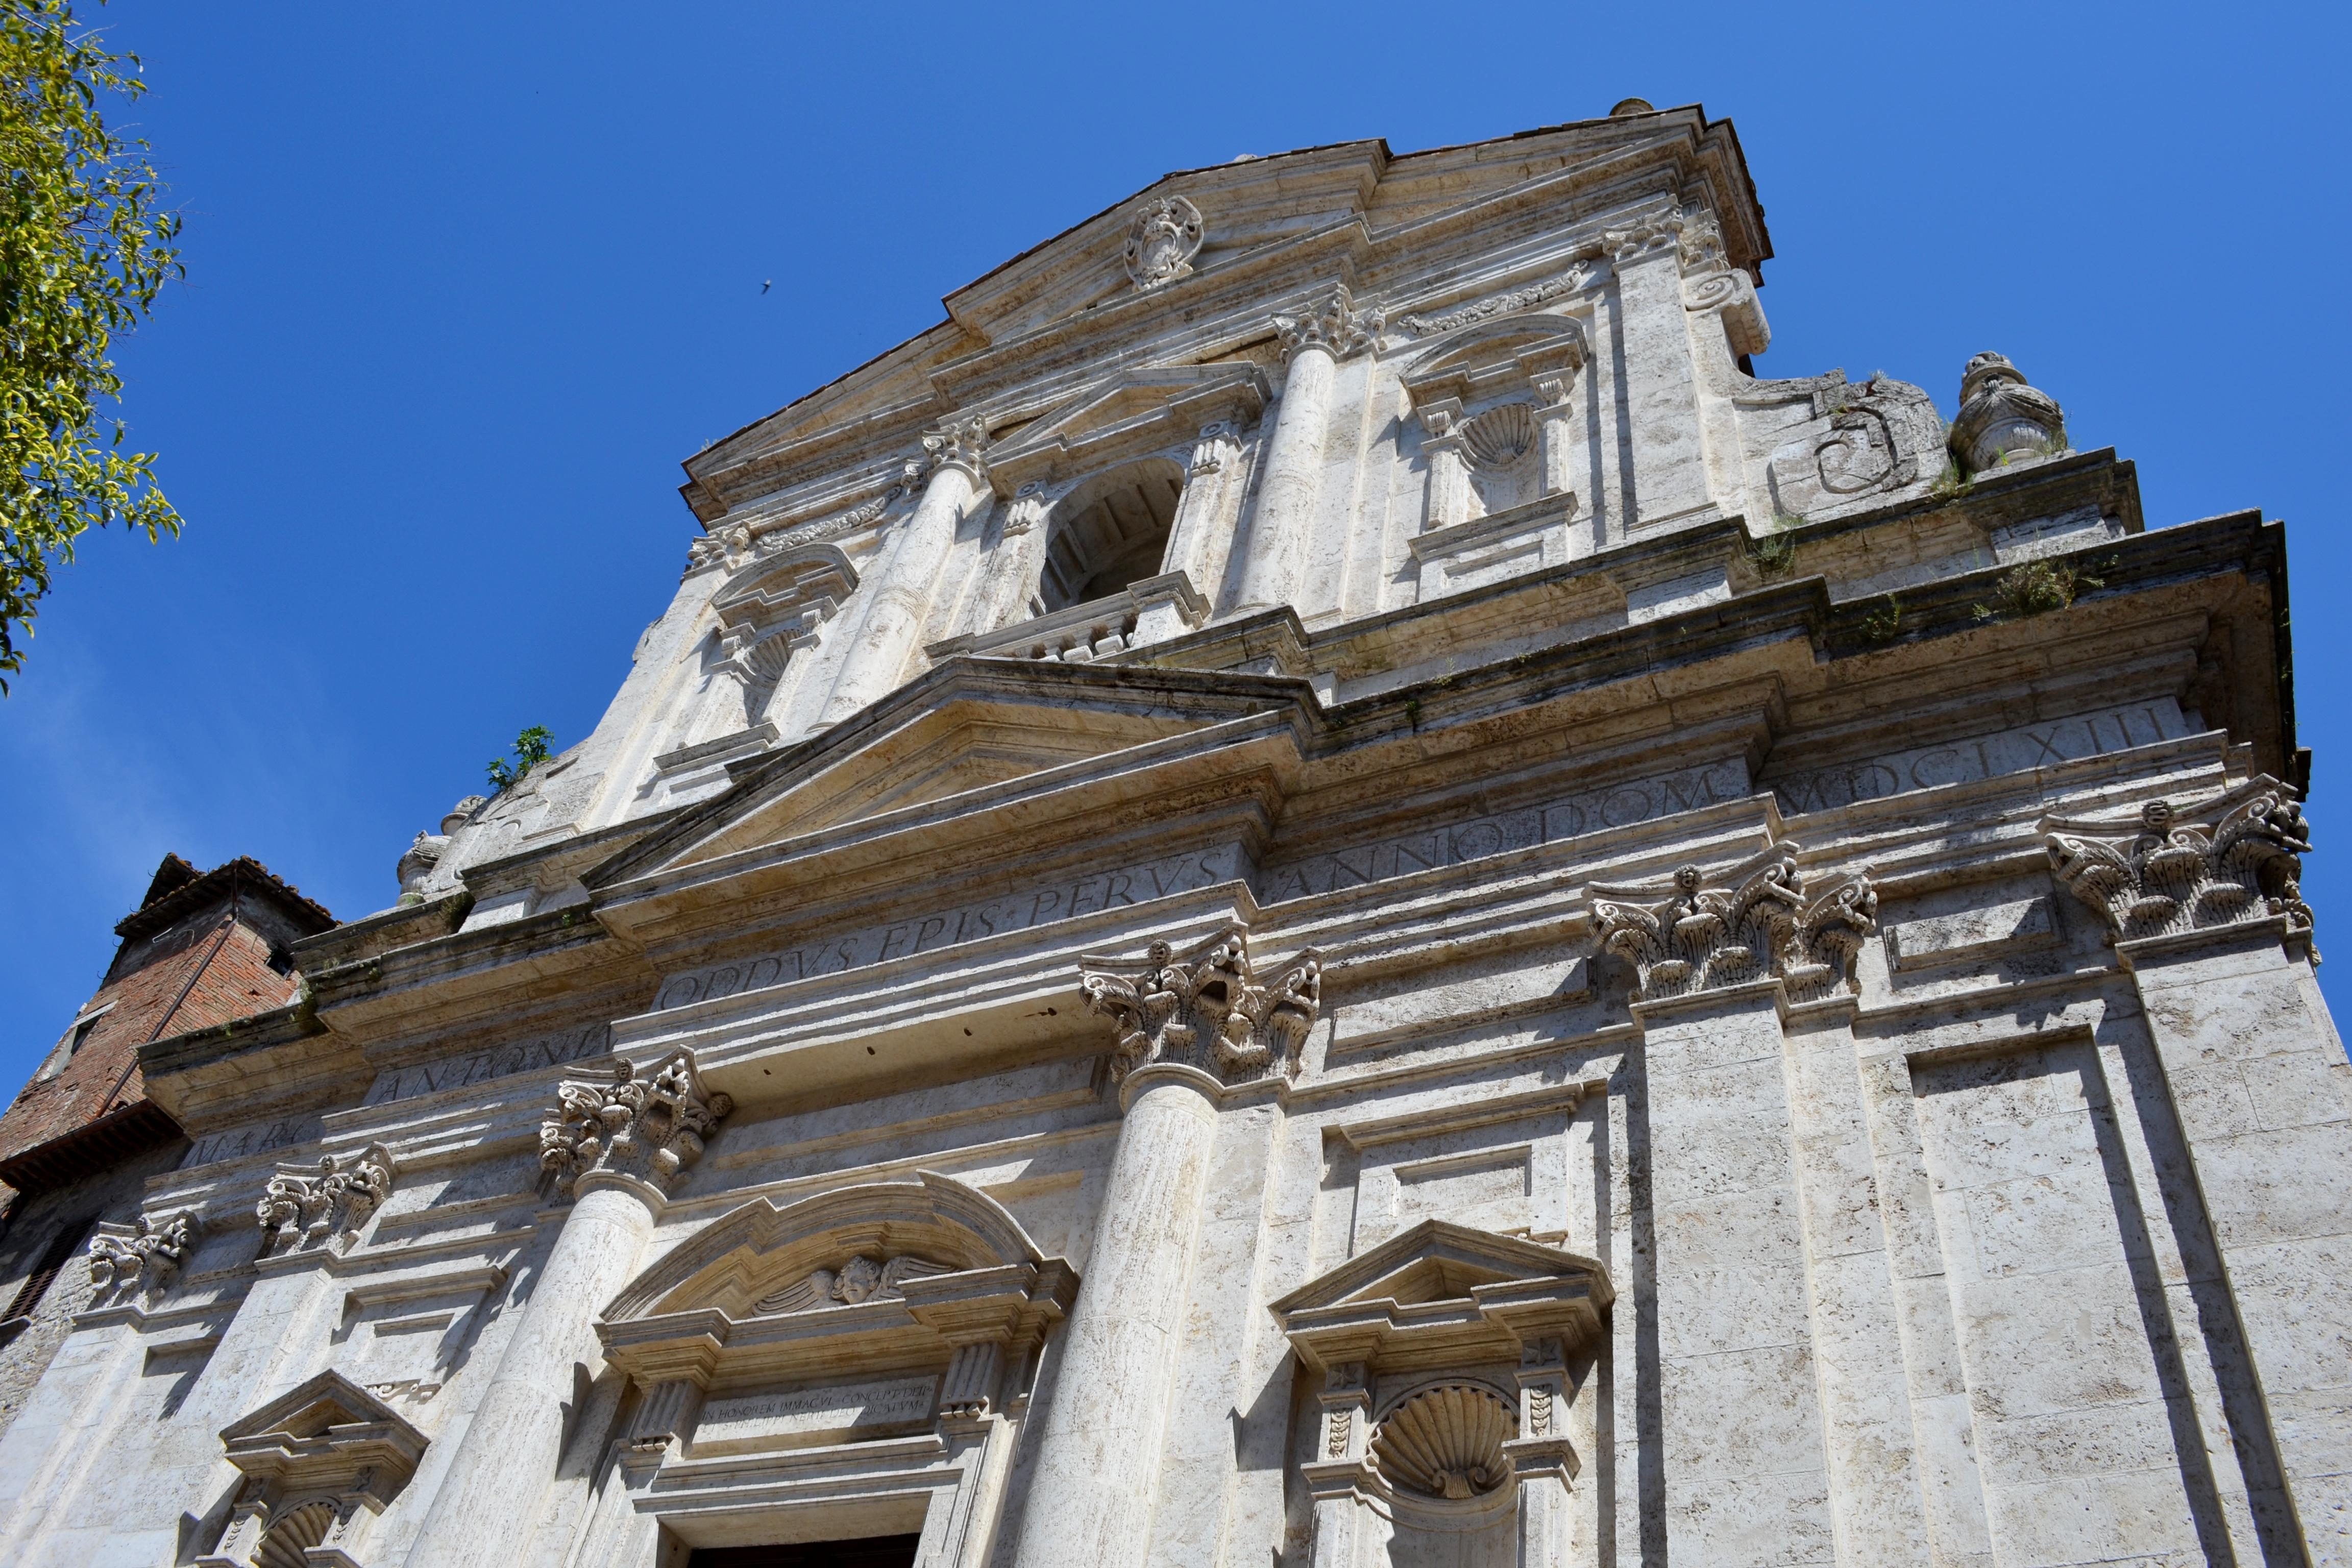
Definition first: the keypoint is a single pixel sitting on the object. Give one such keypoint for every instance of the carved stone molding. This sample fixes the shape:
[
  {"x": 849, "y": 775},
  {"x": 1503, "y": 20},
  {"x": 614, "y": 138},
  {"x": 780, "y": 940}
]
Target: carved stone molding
[
  {"x": 2219, "y": 863},
  {"x": 1207, "y": 1008},
  {"x": 2002, "y": 419},
  {"x": 740, "y": 543},
  {"x": 650, "y": 1125},
  {"x": 1765, "y": 924},
  {"x": 771, "y": 609},
  {"x": 303, "y": 1208},
  {"x": 1651, "y": 232},
  {"x": 1220, "y": 443},
  {"x": 126, "y": 1261},
  {"x": 1339, "y": 326},
  {"x": 1503, "y": 304},
  {"x": 1162, "y": 241},
  {"x": 862, "y": 1279},
  {"x": 960, "y": 443}
]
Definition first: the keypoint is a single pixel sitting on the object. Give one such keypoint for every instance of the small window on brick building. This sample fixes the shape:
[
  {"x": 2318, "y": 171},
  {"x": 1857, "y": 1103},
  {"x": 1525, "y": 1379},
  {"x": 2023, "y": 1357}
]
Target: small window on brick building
[
  {"x": 282, "y": 960},
  {"x": 63, "y": 1052},
  {"x": 45, "y": 1273}
]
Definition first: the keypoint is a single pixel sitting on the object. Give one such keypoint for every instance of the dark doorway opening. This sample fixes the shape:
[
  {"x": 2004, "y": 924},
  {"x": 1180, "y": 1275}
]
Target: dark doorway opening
[{"x": 870, "y": 1551}]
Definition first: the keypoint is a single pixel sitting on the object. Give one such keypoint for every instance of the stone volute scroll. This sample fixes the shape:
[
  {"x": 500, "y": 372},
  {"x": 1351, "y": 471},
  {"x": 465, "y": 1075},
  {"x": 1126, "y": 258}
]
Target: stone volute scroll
[
  {"x": 2235, "y": 858},
  {"x": 1444, "y": 1362},
  {"x": 319, "y": 1463},
  {"x": 130, "y": 1262},
  {"x": 1762, "y": 920},
  {"x": 1162, "y": 241},
  {"x": 641, "y": 1124},
  {"x": 310, "y": 1207},
  {"x": 1207, "y": 1008}
]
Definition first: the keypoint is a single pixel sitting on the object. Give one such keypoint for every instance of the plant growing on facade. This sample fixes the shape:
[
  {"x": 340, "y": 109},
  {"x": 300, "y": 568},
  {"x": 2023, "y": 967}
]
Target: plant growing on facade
[
  {"x": 532, "y": 747},
  {"x": 2034, "y": 588}
]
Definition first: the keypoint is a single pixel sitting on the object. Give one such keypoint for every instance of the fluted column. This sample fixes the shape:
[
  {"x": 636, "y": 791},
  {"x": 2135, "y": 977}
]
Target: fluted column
[
  {"x": 619, "y": 1145},
  {"x": 1286, "y": 496},
  {"x": 901, "y": 582}
]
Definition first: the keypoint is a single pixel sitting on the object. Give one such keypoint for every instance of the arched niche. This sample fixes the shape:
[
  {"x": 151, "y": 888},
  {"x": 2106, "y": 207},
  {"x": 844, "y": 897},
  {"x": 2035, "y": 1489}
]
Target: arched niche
[
  {"x": 1446, "y": 1359},
  {"x": 1108, "y": 532},
  {"x": 1496, "y": 411}
]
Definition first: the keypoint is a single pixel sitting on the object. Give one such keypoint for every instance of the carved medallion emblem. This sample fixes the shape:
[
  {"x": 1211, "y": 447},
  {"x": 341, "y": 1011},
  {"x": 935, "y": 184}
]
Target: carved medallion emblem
[{"x": 1162, "y": 241}]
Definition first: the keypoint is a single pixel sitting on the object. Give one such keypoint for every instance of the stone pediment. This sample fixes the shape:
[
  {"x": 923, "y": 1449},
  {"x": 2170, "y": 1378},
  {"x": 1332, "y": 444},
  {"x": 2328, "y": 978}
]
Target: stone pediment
[
  {"x": 1445, "y": 1292},
  {"x": 965, "y": 730},
  {"x": 327, "y": 1411},
  {"x": 1140, "y": 412}
]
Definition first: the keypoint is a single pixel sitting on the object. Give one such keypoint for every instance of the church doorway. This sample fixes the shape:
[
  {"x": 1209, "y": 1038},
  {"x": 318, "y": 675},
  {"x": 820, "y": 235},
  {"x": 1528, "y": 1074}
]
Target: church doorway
[{"x": 870, "y": 1551}]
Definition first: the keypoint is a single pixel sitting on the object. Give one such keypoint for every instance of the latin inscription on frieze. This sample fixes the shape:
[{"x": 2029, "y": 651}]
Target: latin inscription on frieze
[
  {"x": 929, "y": 932},
  {"x": 2014, "y": 750},
  {"x": 816, "y": 1415},
  {"x": 499, "y": 1061},
  {"x": 251, "y": 1139},
  {"x": 1497, "y": 833}
]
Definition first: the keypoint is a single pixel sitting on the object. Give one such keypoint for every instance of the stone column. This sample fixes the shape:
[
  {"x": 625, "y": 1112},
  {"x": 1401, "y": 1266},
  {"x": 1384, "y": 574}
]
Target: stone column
[
  {"x": 1090, "y": 1498},
  {"x": 1661, "y": 389},
  {"x": 1292, "y": 484},
  {"x": 1187, "y": 1027},
  {"x": 899, "y": 583},
  {"x": 509, "y": 1448},
  {"x": 2208, "y": 919}
]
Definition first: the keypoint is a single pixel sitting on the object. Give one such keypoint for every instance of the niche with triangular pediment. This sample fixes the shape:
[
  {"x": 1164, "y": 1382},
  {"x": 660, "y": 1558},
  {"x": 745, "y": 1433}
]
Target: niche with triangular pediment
[{"x": 319, "y": 1462}]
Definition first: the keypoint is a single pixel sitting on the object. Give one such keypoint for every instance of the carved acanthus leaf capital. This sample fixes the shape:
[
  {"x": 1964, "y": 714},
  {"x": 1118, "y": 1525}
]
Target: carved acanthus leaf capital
[
  {"x": 305, "y": 1207},
  {"x": 1339, "y": 326},
  {"x": 1207, "y": 1008},
  {"x": 1767, "y": 923},
  {"x": 2219, "y": 863},
  {"x": 1657, "y": 231},
  {"x": 134, "y": 1261},
  {"x": 960, "y": 443},
  {"x": 649, "y": 1124}
]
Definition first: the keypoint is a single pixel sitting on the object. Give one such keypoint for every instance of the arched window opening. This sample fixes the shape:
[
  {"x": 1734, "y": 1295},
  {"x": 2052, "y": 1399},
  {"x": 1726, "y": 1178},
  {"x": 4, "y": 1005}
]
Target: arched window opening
[{"x": 1110, "y": 531}]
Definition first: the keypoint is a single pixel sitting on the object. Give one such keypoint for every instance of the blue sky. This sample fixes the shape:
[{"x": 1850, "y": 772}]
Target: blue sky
[{"x": 465, "y": 283}]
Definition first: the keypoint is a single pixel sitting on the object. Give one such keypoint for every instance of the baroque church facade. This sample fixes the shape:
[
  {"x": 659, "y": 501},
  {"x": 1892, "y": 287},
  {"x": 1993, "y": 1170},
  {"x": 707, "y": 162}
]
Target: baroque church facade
[{"x": 1317, "y": 886}]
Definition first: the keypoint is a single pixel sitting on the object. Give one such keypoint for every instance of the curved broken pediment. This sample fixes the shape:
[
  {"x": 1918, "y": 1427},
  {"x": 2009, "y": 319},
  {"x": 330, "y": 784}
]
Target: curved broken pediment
[
  {"x": 1497, "y": 357},
  {"x": 758, "y": 1253}
]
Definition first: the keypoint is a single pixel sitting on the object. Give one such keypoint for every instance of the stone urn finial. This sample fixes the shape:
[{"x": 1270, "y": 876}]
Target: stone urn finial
[{"x": 2002, "y": 420}]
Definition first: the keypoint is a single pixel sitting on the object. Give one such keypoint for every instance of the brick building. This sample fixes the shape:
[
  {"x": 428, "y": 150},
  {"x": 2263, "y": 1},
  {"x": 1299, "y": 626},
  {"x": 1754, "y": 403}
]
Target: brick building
[{"x": 203, "y": 949}]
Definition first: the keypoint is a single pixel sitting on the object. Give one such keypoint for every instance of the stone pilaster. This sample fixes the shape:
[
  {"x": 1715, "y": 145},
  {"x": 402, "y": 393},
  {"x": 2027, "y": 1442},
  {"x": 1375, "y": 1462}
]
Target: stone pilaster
[
  {"x": 1747, "y": 1455},
  {"x": 619, "y": 1145},
  {"x": 1288, "y": 495},
  {"x": 1660, "y": 391},
  {"x": 2207, "y": 915}
]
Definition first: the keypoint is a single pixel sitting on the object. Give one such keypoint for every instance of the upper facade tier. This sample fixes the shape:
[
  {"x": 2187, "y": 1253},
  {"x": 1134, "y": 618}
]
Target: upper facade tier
[{"x": 1363, "y": 419}]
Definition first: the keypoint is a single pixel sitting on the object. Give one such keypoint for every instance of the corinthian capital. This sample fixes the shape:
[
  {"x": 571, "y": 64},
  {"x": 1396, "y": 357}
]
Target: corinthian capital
[
  {"x": 1338, "y": 326},
  {"x": 2220, "y": 862},
  {"x": 960, "y": 443},
  {"x": 309, "y": 1207},
  {"x": 1660, "y": 230},
  {"x": 648, "y": 1124},
  {"x": 129, "y": 1261},
  {"x": 1207, "y": 1008},
  {"x": 1765, "y": 924}
]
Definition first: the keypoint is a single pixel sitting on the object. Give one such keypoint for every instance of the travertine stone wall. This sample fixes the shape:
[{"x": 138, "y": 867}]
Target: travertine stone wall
[{"x": 1615, "y": 961}]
